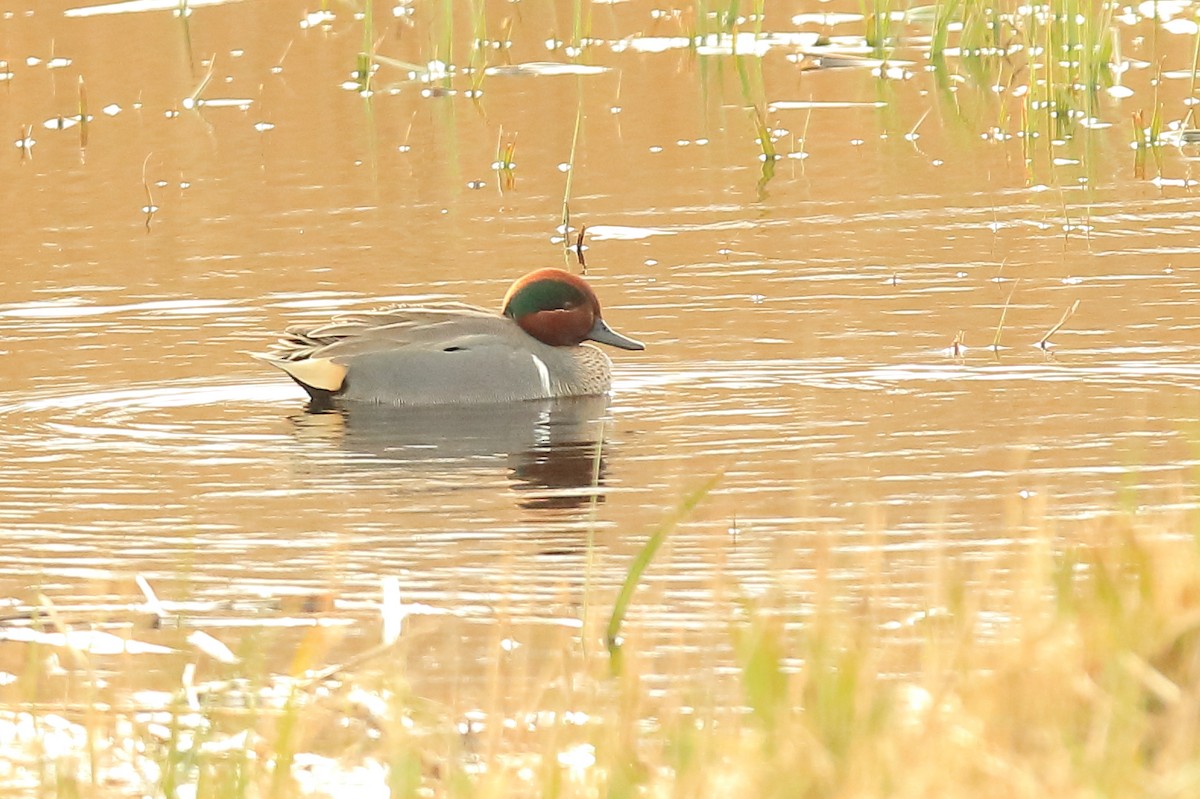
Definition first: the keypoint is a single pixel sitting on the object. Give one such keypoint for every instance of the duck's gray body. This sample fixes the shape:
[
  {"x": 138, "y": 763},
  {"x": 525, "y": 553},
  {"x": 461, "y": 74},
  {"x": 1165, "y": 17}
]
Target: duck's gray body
[{"x": 436, "y": 354}]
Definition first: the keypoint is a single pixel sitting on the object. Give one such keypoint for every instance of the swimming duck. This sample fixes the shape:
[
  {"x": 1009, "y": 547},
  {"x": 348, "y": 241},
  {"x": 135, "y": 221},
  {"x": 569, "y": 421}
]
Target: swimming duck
[{"x": 447, "y": 353}]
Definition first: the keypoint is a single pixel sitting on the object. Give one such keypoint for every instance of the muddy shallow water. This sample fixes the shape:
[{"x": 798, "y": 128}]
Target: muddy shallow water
[{"x": 800, "y": 324}]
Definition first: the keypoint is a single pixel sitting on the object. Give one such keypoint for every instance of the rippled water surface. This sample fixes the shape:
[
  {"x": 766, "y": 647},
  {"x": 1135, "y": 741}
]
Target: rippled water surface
[{"x": 855, "y": 342}]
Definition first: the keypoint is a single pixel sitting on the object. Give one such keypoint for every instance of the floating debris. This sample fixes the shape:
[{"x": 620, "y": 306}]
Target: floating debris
[
  {"x": 828, "y": 18},
  {"x": 316, "y": 18},
  {"x": 1180, "y": 137},
  {"x": 1182, "y": 183},
  {"x": 1182, "y": 27},
  {"x": 827, "y": 59},
  {"x": 625, "y": 232},
  {"x": 212, "y": 647},
  {"x": 805, "y": 105},
  {"x": 138, "y": 6},
  {"x": 26, "y": 141},
  {"x": 242, "y": 104},
  {"x": 545, "y": 68},
  {"x": 61, "y": 123},
  {"x": 93, "y": 642},
  {"x": 755, "y": 44}
]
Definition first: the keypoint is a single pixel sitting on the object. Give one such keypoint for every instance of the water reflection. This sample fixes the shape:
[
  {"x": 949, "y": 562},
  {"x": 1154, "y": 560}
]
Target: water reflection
[
  {"x": 548, "y": 449},
  {"x": 801, "y": 336}
]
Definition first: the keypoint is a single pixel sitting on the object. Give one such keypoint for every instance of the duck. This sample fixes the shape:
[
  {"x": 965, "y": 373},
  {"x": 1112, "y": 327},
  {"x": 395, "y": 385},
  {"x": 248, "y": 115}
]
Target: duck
[{"x": 454, "y": 353}]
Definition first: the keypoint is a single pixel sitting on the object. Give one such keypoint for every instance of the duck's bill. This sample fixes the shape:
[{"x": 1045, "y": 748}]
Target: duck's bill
[{"x": 604, "y": 334}]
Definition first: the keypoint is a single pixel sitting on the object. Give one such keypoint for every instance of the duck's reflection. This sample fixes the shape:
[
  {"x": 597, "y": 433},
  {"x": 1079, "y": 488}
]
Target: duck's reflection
[{"x": 551, "y": 448}]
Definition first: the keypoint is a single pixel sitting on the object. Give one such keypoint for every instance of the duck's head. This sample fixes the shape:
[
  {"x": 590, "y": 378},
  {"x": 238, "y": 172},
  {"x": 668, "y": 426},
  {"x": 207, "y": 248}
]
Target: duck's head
[{"x": 560, "y": 309}]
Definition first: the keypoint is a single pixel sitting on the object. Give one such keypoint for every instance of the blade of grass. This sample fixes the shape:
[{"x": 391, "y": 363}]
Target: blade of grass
[
  {"x": 365, "y": 70},
  {"x": 83, "y": 114},
  {"x": 185, "y": 14},
  {"x": 566, "y": 205},
  {"x": 1003, "y": 313},
  {"x": 642, "y": 561},
  {"x": 447, "y": 43}
]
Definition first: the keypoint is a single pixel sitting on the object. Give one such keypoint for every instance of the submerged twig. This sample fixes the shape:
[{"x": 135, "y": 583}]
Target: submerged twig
[
  {"x": 912, "y": 134},
  {"x": 331, "y": 671},
  {"x": 194, "y": 98},
  {"x": 957, "y": 348},
  {"x": 579, "y": 248},
  {"x": 153, "y": 604},
  {"x": 1045, "y": 342},
  {"x": 27, "y": 142},
  {"x": 149, "y": 209}
]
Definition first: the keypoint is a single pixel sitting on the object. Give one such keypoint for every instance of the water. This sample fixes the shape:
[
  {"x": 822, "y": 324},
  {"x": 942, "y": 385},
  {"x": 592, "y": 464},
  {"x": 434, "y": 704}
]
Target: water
[{"x": 800, "y": 325}]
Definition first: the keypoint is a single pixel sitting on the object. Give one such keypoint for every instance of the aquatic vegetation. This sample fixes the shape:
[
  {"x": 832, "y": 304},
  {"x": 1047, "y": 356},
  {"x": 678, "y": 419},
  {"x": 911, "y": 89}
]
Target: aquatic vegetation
[
  {"x": 1055, "y": 656},
  {"x": 84, "y": 118},
  {"x": 612, "y": 634},
  {"x": 364, "y": 67},
  {"x": 568, "y": 168},
  {"x": 443, "y": 33},
  {"x": 1147, "y": 139},
  {"x": 1040, "y": 72},
  {"x": 995, "y": 347},
  {"x": 1018, "y": 667},
  {"x": 504, "y": 165}
]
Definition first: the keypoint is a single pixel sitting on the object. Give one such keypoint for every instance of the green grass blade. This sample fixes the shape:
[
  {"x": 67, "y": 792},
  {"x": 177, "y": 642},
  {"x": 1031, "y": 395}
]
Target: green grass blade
[{"x": 643, "y": 559}]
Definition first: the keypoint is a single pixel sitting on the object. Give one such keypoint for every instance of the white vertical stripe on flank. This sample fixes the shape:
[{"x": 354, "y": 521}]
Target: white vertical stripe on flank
[{"x": 543, "y": 373}]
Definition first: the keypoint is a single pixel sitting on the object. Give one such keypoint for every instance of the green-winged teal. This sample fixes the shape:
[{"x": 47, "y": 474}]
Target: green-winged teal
[{"x": 454, "y": 353}]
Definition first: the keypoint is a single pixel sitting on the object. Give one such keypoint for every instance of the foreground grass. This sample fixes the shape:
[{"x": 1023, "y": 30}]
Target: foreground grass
[{"x": 1041, "y": 673}]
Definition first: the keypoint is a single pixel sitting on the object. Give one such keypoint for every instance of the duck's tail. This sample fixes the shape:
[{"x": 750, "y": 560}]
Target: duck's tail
[{"x": 320, "y": 377}]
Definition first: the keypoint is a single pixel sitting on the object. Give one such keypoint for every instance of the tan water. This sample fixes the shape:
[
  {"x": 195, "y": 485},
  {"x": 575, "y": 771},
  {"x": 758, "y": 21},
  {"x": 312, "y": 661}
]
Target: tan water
[{"x": 800, "y": 328}]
